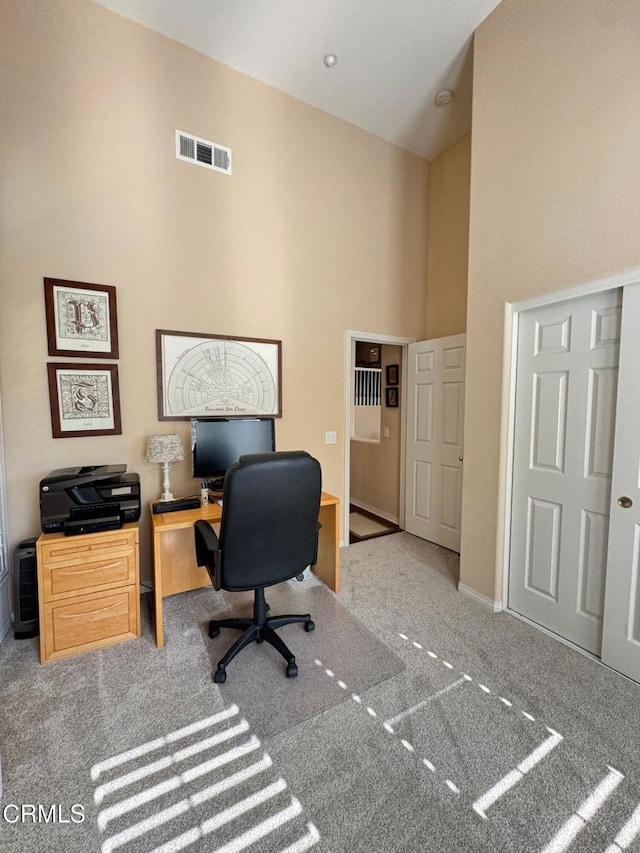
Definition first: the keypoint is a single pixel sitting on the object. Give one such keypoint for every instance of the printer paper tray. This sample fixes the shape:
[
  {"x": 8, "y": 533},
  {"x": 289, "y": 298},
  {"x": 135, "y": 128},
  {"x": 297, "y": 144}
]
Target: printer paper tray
[{"x": 92, "y": 525}]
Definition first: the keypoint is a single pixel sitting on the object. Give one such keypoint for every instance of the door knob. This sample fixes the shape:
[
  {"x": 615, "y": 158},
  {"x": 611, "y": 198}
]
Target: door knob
[
  {"x": 460, "y": 458},
  {"x": 625, "y": 502}
]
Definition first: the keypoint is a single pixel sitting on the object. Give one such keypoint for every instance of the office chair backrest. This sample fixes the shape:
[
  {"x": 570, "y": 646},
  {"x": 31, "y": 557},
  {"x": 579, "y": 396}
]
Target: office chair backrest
[{"x": 270, "y": 518}]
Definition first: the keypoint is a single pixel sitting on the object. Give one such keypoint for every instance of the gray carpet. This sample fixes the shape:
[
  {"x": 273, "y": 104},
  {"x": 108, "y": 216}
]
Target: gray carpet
[
  {"x": 494, "y": 737},
  {"x": 61, "y": 720}
]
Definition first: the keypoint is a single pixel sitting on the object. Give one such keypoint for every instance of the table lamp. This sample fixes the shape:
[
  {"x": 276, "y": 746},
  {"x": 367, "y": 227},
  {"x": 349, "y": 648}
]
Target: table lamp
[{"x": 165, "y": 449}]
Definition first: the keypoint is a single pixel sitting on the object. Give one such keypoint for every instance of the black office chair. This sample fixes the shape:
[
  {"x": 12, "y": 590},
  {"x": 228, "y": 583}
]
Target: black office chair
[{"x": 269, "y": 534}]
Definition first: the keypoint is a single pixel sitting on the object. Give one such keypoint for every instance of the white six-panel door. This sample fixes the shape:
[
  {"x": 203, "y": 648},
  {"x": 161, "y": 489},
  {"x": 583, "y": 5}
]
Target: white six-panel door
[
  {"x": 435, "y": 421},
  {"x": 575, "y": 532},
  {"x": 567, "y": 375}
]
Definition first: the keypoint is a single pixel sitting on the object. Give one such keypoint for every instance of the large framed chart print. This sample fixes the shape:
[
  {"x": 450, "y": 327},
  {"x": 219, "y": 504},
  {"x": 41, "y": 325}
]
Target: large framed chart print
[{"x": 202, "y": 375}]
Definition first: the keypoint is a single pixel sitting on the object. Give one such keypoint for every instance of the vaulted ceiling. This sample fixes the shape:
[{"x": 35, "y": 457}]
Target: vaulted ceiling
[{"x": 392, "y": 56}]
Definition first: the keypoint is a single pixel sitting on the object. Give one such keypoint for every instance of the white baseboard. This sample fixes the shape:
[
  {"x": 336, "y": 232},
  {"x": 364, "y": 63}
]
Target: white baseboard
[
  {"x": 496, "y": 606},
  {"x": 375, "y": 511}
]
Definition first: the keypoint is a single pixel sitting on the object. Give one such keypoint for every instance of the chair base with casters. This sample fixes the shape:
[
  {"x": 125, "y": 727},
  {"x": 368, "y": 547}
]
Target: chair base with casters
[{"x": 258, "y": 629}]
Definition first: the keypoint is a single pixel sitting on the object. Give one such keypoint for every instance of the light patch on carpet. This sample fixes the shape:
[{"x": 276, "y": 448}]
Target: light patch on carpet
[
  {"x": 576, "y": 823},
  {"x": 506, "y": 702},
  {"x": 362, "y": 526},
  {"x": 514, "y": 776},
  {"x": 171, "y": 799},
  {"x": 372, "y": 713}
]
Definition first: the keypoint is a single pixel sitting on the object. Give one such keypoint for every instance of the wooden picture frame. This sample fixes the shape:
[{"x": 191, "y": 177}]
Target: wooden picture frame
[
  {"x": 81, "y": 319},
  {"x": 391, "y": 397},
  {"x": 374, "y": 355},
  {"x": 393, "y": 374},
  {"x": 202, "y": 375},
  {"x": 84, "y": 399}
]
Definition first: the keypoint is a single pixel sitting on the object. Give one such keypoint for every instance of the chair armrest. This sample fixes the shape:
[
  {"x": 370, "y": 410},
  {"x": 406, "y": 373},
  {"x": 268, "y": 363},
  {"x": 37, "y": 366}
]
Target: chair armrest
[{"x": 207, "y": 550}]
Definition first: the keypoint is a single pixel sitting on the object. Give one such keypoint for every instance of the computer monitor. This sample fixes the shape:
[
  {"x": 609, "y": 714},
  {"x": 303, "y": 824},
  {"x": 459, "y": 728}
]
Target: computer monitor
[{"x": 217, "y": 443}]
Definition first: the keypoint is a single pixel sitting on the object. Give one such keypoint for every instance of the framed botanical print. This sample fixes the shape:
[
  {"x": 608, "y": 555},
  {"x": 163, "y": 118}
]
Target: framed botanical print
[
  {"x": 81, "y": 319},
  {"x": 84, "y": 399}
]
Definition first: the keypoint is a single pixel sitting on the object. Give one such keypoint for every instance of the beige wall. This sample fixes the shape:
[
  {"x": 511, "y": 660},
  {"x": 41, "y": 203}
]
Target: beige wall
[
  {"x": 321, "y": 228},
  {"x": 555, "y": 174},
  {"x": 375, "y": 468},
  {"x": 448, "y": 243}
]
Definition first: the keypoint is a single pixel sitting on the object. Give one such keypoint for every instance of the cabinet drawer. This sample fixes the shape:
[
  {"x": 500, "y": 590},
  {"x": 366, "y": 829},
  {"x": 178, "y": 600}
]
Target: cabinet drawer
[
  {"x": 88, "y": 622},
  {"x": 56, "y": 547},
  {"x": 114, "y": 569}
]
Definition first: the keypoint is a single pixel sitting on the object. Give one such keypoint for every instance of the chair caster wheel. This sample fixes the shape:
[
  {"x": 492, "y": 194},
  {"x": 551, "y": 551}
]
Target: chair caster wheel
[
  {"x": 292, "y": 670},
  {"x": 309, "y": 626},
  {"x": 220, "y": 676},
  {"x": 213, "y": 630}
]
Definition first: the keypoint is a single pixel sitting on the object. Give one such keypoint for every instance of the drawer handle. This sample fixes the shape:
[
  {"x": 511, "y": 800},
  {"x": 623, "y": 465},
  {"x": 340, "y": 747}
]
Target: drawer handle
[
  {"x": 90, "y": 613},
  {"x": 86, "y": 571}
]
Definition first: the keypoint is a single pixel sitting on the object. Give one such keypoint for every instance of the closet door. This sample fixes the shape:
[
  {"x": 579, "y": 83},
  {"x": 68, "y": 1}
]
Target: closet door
[
  {"x": 567, "y": 374},
  {"x": 575, "y": 527},
  {"x": 621, "y": 630}
]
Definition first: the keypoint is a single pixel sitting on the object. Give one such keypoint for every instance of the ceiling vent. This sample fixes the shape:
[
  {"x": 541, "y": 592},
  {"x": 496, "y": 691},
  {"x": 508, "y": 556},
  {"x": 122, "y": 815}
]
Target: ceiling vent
[{"x": 202, "y": 152}]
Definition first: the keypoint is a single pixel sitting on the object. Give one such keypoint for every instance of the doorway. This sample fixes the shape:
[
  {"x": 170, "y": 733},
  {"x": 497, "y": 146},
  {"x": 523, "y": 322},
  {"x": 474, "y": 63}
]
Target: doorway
[
  {"x": 428, "y": 405},
  {"x": 369, "y": 456}
]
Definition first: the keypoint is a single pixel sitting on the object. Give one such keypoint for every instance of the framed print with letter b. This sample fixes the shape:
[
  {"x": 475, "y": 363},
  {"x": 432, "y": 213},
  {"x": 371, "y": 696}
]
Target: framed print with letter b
[{"x": 81, "y": 319}]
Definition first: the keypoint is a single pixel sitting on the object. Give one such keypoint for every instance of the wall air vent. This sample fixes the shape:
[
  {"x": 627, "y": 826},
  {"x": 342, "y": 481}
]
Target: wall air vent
[{"x": 202, "y": 152}]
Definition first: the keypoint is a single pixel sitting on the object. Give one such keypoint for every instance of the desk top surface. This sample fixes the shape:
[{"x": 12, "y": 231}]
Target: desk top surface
[{"x": 210, "y": 512}]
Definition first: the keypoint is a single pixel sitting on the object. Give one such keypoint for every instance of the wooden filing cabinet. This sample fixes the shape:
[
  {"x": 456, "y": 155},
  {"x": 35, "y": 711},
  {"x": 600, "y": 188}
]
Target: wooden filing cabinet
[{"x": 88, "y": 590}]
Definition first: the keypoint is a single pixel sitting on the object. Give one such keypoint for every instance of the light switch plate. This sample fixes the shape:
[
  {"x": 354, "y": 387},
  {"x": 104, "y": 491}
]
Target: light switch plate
[{"x": 330, "y": 437}]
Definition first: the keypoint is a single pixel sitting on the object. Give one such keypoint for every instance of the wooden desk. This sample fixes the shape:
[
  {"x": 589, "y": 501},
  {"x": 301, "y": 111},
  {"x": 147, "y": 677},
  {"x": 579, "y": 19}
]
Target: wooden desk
[{"x": 174, "y": 558}]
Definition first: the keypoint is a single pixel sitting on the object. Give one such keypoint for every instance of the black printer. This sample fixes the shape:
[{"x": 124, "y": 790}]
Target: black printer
[{"x": 88, "y": 499}]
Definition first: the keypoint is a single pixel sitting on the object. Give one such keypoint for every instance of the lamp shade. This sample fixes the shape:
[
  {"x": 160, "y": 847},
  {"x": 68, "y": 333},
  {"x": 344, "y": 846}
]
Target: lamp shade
[{"x": 165, "y": 448}]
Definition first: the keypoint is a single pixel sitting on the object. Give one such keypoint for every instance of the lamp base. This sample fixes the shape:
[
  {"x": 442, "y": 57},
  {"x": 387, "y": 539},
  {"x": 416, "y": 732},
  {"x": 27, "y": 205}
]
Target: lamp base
[{"x": 166, "y": 485}]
